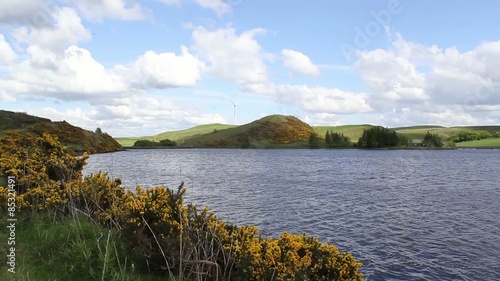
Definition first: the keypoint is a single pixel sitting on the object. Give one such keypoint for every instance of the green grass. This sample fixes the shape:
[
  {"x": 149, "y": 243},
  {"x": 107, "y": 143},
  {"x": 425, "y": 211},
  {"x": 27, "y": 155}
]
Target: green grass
[
  {"x": 182, "y": 135},
  {"x": 178, "y": 136},
  {"x": 67, "y": 248},
  {"x": 353, "y": 132},
  {"x": 492, "y": 142},
  {"x": 218, "y": 135},
  {"x": 417, "y": 134},
  {"x": 127, "y": 141},
  {"x": 213, "y": 136},
  {"x": 426, "y": 127}
]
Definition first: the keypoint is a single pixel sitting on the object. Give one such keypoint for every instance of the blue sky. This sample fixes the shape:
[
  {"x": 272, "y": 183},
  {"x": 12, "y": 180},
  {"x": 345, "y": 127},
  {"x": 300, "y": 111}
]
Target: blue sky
[{"x": 140, "y": 68}]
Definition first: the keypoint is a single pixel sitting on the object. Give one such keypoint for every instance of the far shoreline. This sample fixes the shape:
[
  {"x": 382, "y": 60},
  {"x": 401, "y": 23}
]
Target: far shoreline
[{"x": 323, "y": 148}]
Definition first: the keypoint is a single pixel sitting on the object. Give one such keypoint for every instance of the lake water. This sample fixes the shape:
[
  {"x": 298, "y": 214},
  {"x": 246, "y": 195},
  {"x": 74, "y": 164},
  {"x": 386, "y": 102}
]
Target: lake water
[{"x": 406, "y": 214}]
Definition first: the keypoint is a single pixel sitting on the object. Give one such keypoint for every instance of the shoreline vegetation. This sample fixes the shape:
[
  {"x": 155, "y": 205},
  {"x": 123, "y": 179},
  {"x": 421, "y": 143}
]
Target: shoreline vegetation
[
  {"x": 278, "y": 131},
  {"x": 76, "y": 139},
  {"x": 274, "y": 131},
  {"x": 75, "y": 228}
]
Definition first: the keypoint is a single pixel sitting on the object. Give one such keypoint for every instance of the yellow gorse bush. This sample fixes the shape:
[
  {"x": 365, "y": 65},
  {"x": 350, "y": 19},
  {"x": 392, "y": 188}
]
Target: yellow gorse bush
[
  {"x": 163, "y": 233},
  {"x": 41, "y": 167}
]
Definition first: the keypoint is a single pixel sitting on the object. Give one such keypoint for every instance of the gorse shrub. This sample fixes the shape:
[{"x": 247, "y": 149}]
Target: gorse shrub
[
  {"x": 163, "y": 235},
  {"x": 41, "y": 167}
]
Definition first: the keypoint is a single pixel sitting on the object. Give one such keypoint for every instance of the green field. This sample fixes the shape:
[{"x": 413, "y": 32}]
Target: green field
[
  {"x": 417, "y": 133},
  {"x": 353, "y": 132},
  {"x": 493, "y": 142},
  {"x": 181, "y": 135},
  {"x": 178, "y": 136},
  {"x": 127, "y": 141}
]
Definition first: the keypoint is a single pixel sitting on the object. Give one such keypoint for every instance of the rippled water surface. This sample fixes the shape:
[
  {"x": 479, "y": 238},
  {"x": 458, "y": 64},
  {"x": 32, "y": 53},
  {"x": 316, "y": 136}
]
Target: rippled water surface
[{"x": 407, "y": 215}]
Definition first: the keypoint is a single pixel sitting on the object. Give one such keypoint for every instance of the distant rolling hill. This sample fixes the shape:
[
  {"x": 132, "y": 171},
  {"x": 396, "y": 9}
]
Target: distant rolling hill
[
  {"x": 492, "y": 142},
  {"x": 67, "y": 134},
  {"x": 289, "y": 131},
  {"x": 417, "y": 133},
  {"x": 270, "y": 131},
  {"x": 418, "y": 127},
  {"x": 354, "y": 132},
  {"x": 178, "y": 136}
]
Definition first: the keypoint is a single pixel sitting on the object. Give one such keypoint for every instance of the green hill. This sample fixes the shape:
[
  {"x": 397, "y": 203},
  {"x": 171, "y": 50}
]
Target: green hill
[
  {"x": 178, "y": 136},
  {"x": 417, "y": 133},
  {"x": 182, "y": 135},
  {"x": 270, "y": 131},
  {"x": 75, "y": 137},
  {"x": 417, "y": 127},
  {"x": 288, "y": 131},
  {"x": 18, "y": 120},
  {"x": 354, "y": 132},
  {"x": 490, "y": 142}
]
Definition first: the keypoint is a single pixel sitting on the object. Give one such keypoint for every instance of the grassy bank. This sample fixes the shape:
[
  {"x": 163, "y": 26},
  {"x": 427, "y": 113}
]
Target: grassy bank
[
  {"x": 54, "y": 247},
  {"x": 491, "y": 142}
]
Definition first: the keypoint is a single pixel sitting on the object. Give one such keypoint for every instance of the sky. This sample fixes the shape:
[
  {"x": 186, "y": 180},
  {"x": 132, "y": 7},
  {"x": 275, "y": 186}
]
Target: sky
[{"x": 137, "y": 68}]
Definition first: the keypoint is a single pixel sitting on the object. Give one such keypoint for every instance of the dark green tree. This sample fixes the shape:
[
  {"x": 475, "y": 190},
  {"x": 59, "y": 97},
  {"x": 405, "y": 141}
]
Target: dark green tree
[
  {"x": 432, "y": 140},
  {"x": 313, "y": 141},
  {"x": 145, "y": 143},
  {"x": 377, "y": 137},
  {"x": 470, "y": 136},
  {"x": 167, "y": 142},
  {"x": 327, "y": 138},
  {"x": 339, "y": 140}
]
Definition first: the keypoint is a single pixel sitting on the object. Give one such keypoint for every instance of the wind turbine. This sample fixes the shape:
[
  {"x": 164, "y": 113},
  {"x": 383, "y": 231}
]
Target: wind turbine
[{"x": 235, "y": 106}]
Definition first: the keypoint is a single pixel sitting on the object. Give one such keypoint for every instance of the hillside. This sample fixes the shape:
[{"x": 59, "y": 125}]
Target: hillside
[
  {"x": 178, "y": 136},
  {"x": 417, "y": 127},
  {"x": 289, "y": 131},
  {"x": 14, "y": 121},
  {"x": 270, "y": 131},
  {"x": 74, "y": 137},
  {"x": 417, "y": 133},
  {"x": 353, "y": 132},
  {"x": 182, "y": 135}
]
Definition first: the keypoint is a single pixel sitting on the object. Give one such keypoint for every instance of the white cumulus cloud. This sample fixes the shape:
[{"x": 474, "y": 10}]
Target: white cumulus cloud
[
  {"x": 316, "y": 99},
  {"x": 73, "y": 76},
  {"x": 28, "y": 12},
  {"x": 411, "y": 83},
  {"x": 299, "y": 63},
  {"x": 236, "y": 58},
  {"x": 68, "y": 30},
  {"x": 7, "y": 54},
  {"x": 164, "y": 70}
]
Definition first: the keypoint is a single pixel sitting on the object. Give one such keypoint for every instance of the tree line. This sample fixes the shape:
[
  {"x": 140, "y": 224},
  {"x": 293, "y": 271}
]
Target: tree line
[
  {"x": 378, "y": 137},
  {"x": 148, "y": 143},
  {"x": 463, "y": 136},
  {"x": 333, "y": 139}
]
